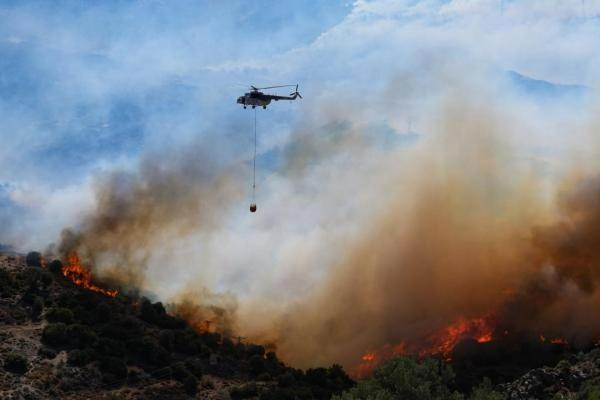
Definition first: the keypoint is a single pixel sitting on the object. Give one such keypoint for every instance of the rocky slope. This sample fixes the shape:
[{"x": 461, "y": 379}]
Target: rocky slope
[{"x": 59, "y": 340}]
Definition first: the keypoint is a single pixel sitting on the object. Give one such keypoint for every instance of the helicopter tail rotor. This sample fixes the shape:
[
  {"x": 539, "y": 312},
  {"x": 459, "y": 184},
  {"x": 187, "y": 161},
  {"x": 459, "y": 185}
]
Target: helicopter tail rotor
[{"x": 296, "y": 93}]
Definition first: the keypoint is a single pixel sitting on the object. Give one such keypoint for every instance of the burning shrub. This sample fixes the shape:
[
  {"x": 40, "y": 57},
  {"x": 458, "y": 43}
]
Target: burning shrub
[
  {"x": 60, "y": 314},
  {"x": 33, "y": 259},
  {"x": 16, "y": 362},
  {"x": 55, "y": 334}
]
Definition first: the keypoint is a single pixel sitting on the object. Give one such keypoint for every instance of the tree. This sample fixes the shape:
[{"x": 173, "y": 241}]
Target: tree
[{"x": 33, "y": 259}]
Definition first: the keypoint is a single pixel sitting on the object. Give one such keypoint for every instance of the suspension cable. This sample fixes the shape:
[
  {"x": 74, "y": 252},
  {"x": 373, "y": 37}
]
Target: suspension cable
[{"x": 254, "y": 163}]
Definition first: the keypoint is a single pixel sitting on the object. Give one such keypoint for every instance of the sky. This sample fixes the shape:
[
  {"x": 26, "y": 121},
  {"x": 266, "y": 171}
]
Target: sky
[{"x": 109, "y": 106}]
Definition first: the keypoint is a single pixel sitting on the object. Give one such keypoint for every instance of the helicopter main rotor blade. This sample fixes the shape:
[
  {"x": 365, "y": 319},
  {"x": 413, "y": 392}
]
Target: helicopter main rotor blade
[{"x": 273, "y": 87}]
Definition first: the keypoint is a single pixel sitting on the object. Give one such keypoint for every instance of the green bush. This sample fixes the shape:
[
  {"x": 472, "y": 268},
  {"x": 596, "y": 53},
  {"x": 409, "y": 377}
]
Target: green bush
[
  {"x": 60, "y": 314},
  {"x": 110, "y": 347},
  {"x": 407, "y": 379},
  {"x": 55, "y": 334},
  {"x": 81, "y": 335},
  {"x": 485, "y": 391},
  {"x": 79, "y": 357},
  {"x": 16, "y": 362},
  {"x": 589, "y": 390}
]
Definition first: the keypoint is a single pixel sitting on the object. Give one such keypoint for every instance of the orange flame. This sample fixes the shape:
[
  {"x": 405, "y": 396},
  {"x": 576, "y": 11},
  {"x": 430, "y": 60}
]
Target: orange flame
[
  {"x": 443, "y": 342},
  {"x": 440, "y": 343},
  {"x": 81, "y": 276},
  {"x": 556, "y": 340}
]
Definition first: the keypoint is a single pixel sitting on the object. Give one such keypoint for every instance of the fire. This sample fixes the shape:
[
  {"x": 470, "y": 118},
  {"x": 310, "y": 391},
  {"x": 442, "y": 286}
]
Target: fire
[
  {"x": 556, "y": 340},
  {"x": 202, "y": 327},
  {"x": 439, "y": 344},
  {"x": 479, "y": 329},
  {"x": 81, "y": 276},
  {"x": 369, "y": 357}
]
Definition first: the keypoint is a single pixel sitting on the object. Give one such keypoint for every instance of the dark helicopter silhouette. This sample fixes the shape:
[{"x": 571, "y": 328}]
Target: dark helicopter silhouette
[{"x": 256, "y": 98}]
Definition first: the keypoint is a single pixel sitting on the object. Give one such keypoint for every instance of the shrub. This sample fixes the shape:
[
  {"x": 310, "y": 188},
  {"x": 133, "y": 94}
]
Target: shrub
[
  {"x": 207, "y": 382},
  {"x": 110, "y": 347},
  {"x": 114, "y": 366},
  {"x": 256, "y": 364},
  {"x": 407, "y": 379},
  {"x": 56, "y": 267},
  {"x": 16, "y": 362},
  {"x": 7, "y": 283},
  {"x": 81, "y": 335},
  {"x": 179, "y": 371},
  {"x": 37, "y": 306},
  {"x": 47, "y": 352},
  {"x": 33, "y": 259},
  {"x": 79, "y": 357},
  {"x": 190, "y": 385},
  {"x": 243, "y": 391},
  {"x": 55, "y": 334},
  {"x": 60, "y": 314},
  {"x": 485, "y": 391},
  {"x": 590, "y": 390},
  {"x": 195, "y": 366}
]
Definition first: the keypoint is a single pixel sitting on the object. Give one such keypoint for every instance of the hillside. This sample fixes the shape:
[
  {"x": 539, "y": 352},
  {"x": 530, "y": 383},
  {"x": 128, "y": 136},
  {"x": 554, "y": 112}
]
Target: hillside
[{"x": 59, "y": 340}]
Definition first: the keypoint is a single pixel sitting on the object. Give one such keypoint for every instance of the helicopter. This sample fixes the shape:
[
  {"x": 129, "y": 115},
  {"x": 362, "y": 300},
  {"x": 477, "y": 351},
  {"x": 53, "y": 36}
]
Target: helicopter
[{"x": 256, "y": 98}]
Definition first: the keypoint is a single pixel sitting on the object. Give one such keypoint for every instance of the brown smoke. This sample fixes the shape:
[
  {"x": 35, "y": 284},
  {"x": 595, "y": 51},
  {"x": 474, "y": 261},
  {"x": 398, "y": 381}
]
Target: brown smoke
[
  {"x": 169, "y": 196},
  {"x": 465, "y": 234},
  {"x": 458, "y": 226}
]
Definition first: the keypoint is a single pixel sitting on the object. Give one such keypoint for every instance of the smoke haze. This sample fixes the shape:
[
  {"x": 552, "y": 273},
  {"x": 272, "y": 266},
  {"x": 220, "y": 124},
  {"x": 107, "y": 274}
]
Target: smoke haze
[{"x": 442, "y": 165}]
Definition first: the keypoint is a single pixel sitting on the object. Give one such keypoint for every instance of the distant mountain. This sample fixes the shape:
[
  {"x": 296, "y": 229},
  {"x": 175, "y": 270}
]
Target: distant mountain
[{"x": 543, "y": 89}]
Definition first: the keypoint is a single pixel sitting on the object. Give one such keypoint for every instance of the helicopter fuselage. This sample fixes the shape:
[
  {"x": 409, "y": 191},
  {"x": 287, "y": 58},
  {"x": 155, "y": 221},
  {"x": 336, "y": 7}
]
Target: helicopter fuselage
[{"x": 256, "y": 98}]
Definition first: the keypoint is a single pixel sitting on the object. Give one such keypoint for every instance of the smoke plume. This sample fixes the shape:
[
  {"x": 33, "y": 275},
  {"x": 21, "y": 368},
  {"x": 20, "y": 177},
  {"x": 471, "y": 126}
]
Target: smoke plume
[{"x": 359, "y": 243}]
